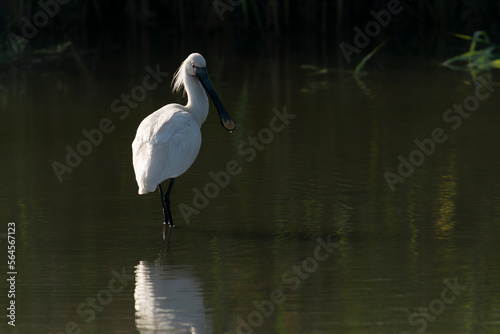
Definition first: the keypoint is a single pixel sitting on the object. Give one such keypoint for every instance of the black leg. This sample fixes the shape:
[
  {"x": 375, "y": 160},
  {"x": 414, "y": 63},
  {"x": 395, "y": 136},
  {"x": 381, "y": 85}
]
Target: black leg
[
  {"x": 165, "y": 214},
  {"x": 167, "y": 234},
  {"x": 167, "y": 203}
]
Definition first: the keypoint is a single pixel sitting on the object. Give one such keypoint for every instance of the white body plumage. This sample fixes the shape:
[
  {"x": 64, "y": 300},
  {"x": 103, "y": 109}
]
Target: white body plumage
[{"x": 168, "y": 140}]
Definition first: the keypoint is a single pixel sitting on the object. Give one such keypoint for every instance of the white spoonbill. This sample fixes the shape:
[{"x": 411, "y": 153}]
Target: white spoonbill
[{"x": 168, "y": 141}]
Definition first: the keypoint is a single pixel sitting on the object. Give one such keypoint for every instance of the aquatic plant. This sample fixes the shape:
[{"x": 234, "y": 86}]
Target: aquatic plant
[{"x": 475, "y": 59}]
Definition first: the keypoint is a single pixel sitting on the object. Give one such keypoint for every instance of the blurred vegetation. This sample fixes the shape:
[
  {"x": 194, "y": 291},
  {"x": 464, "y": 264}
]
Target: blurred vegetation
[
  {"x": 249, "y": 25},
  {"x": 476, "y": 59}
]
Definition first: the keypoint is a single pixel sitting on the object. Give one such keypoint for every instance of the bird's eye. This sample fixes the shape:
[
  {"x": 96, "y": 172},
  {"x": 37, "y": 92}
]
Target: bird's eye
[{"x": 194, "y": 66}]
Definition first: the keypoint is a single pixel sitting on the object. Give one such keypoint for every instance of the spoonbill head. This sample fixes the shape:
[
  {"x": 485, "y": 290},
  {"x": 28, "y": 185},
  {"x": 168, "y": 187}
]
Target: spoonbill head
[{"x": 168, "y": 140}]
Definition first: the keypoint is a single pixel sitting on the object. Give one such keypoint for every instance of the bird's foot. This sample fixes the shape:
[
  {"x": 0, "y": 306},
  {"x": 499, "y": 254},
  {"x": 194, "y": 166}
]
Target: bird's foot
[
  {"x": 168, "y": 224},
  {"x": 167, "y": 231}
]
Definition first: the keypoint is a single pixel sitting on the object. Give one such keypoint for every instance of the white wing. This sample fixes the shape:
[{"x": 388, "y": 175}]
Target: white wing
[{"x": 165, "y": 146}]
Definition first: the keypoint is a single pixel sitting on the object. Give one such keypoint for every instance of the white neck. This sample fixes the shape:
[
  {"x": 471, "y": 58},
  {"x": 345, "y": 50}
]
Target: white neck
[{"x": 197, "y": 104}]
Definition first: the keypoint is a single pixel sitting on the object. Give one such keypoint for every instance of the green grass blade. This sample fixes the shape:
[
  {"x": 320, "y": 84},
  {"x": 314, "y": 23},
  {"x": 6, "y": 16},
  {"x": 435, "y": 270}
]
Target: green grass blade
[{"x": 368, "y": 56}]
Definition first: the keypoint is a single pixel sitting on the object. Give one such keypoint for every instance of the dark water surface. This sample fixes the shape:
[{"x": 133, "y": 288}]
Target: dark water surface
[{"x": 301, "y": 232}]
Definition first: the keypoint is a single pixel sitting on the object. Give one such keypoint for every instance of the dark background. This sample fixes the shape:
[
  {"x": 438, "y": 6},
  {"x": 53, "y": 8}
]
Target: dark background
[
  {"x": 322, "y": 176},
  {"x": 300, "y": 28}
]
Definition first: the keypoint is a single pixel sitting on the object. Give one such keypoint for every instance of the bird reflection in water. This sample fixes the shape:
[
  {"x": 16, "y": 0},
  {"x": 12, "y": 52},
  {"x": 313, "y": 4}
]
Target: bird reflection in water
[{"x": 169, "y": 299}]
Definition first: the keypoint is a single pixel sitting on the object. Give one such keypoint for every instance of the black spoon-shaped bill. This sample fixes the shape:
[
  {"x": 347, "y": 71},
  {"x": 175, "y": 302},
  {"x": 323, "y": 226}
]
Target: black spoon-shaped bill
[{"x": 225, "y": 119}]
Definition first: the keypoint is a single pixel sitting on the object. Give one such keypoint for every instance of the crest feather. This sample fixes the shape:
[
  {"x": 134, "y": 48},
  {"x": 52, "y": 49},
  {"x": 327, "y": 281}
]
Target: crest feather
[{"x": 178, "y": 80}]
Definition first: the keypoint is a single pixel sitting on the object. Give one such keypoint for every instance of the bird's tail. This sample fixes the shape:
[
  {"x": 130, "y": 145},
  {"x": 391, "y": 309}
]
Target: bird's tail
[
  {"x": 142, "y": 191},
  {"x": 146, "y": 188}
]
